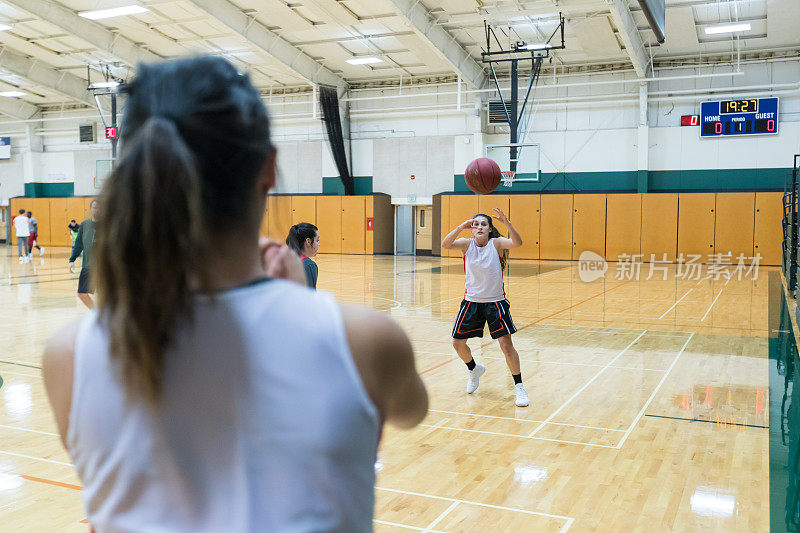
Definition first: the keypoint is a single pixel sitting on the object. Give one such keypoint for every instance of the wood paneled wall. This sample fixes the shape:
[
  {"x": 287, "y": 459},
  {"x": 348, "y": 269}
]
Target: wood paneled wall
[
  {"x": 561, "y": 226},
  {"x": 342, "y": 220},
  {"x": 53, "y": 216}
]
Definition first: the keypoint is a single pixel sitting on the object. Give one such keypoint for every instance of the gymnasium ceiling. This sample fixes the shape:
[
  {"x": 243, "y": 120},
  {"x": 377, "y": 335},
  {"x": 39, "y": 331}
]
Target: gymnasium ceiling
[{"x": 288, "y": 44}]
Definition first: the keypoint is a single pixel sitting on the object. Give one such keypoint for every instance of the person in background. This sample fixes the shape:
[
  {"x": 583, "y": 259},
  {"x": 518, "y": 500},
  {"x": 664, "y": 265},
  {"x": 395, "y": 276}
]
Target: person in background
[
  {"x": 210, "y": 391},
  {"x": 73, "y": 230},
  {"x": 22, "y": 228},
  {"x": 83, "y": 245},
  {"x": 33, "y": 227},
  {"x": 303, "y": 238}
]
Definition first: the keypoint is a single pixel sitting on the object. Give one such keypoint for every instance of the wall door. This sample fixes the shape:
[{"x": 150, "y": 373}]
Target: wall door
[{"x": 424, "y": 225}]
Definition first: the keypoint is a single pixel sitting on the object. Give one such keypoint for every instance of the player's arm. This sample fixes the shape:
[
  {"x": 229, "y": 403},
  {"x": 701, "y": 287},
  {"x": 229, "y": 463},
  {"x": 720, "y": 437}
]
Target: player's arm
[
  {"x": 385, "y": 361},
  {"x": 451, "y": 242},
  {"x": 77, "y": 248},
  {"x": 58, "y": 362},
  {"x": 514, "y": 239}
]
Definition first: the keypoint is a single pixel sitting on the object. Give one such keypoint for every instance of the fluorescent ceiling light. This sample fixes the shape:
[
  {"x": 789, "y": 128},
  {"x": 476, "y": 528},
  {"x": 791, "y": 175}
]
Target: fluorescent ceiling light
[
  {"x": 536, "y": 46},
  {"x": 104, "y": 85},
  {"x": 727, "y": 28},
  {"x": 366, "y": 60},
  {"x": 12, "y": 94},
  {"x": 5, "y": 27},
  {"x": 113, "y": 12}
]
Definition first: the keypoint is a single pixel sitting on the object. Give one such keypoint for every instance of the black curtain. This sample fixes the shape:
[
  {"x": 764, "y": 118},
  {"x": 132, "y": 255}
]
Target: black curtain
[{"x": 329, "y": 101}]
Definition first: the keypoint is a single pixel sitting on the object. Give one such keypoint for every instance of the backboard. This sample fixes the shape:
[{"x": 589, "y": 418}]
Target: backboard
[{"x": 525, "y": 155}]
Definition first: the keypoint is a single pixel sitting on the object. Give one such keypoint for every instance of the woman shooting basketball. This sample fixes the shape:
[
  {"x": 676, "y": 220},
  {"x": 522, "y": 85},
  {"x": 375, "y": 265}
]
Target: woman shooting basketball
[{"x": 484, "y": 301}]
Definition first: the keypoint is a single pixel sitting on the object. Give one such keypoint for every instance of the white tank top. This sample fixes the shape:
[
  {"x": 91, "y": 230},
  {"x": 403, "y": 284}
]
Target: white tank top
[
  {"x": 483, "y": 274},
  {"x": 264, "y": 426}
]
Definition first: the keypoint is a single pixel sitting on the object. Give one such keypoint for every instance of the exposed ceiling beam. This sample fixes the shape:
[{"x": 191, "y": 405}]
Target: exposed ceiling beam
[
  {"x": 91, "y": 32},
  {"x": 634, "y": 45},
  {"x": 443, "y": 42},
  {"x": 17, "y": 108},
  {"x": 271, "y": 43},
  {"x": 43, "y": 74}
]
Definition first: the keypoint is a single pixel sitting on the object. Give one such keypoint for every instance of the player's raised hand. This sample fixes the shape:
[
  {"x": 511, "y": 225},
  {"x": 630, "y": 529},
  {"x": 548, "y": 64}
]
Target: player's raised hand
[
  {"x": 467, "y": 224},
  {"x": 500, "y": 216}
]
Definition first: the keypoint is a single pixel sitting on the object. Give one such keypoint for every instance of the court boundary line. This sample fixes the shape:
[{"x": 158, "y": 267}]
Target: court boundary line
[
  {"x": 23, "y": 456},
  {"x": 653, "y": 394},
  {"x": 497, "y": 433},
  {"x": 479, "y": 504},
  {"x": 494, "y": 357},
  {"x": 441, "y": 516},
  {"x": 665, "y": 417},
  {"x": 19, "y": 363},
  {"x": 523, "y": 420},
  {"x": 4, "y": 426},
  {"x": 586, "y": 385},
  {"x": 715, "y": 300},
  {"x": 404, "y": 526}
]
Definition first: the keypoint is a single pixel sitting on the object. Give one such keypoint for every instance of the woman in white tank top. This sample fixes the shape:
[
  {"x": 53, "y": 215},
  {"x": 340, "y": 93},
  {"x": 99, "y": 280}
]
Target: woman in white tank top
[
  {"x": 205, "y": 394},
  {"x": 485, "y": 300}
]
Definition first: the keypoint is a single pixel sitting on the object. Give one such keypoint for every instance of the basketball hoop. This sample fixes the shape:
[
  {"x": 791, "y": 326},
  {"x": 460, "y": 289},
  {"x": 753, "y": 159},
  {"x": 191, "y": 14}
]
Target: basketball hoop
[{"x": 507, "y": 176}]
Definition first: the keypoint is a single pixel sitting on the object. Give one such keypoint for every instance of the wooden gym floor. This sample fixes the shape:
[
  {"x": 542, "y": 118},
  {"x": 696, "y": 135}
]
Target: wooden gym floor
[{"x": 649, "y": 400}]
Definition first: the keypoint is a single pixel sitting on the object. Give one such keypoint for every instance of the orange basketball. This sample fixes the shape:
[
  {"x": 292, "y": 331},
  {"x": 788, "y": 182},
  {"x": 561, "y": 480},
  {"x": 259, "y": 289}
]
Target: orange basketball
[{"x": 482, "y": 175}]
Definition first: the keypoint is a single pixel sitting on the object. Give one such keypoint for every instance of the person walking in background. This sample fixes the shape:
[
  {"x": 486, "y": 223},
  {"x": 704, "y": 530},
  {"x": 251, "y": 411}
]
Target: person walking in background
[
  {"x": 22, "y": 227},
  {"x": 33, "y": 227},
  {"x": 303, "y": 238},
  {"x": 83, "y": 245},
  {"x": 73, "y": 230}
]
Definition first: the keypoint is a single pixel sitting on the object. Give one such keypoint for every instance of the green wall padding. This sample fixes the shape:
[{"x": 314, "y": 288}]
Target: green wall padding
[
  {"x": 49, "y": 190},
  {"x": 746, "y": 179},
  {"x": 333, "y": 185}
]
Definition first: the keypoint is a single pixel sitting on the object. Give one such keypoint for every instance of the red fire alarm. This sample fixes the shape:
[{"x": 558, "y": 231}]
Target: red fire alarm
[
  {"x": 369, "y": 224},
  {"x": 111, "y": 132},
  {"x": 412, "y": 176}
]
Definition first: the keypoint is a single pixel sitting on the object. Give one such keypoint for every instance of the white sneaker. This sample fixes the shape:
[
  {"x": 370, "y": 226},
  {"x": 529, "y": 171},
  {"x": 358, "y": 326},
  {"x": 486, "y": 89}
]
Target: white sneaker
[
  {"x": 26, "y": 260},
  {"x": 20, "y": 259},
  {"x": 30, "y": 256},
  {"x": 522, "y": 395},
  {"x": 474, "y": 376}
]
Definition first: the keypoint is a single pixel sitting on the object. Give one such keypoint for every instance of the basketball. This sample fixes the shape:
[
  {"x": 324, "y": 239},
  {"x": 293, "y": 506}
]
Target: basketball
[{"x": 482, "y": 176}]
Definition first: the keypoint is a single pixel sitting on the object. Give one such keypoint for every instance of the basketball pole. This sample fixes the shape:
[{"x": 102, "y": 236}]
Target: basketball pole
[
  {"x": 534, "y": 52},
  {"x": 513, "y": 115}
]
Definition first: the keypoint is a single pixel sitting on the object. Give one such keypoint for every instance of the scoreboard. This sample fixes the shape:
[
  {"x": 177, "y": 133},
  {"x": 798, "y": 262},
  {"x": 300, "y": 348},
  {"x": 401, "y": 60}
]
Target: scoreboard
[{"x": 753, "y": 116}]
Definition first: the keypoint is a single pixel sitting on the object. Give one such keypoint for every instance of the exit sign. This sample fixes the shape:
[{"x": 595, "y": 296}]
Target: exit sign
[{"x": 111, "y": 132}]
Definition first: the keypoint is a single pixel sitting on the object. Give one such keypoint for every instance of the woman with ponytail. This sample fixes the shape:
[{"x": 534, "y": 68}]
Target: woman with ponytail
[
  {"x": 303, "y": 238},
  {"x": 209, "y": 391},
  {"x": 485, "y": 258}
]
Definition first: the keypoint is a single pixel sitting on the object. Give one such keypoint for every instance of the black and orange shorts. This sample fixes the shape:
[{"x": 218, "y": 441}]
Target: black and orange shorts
[{"x": 473, "y": 316}]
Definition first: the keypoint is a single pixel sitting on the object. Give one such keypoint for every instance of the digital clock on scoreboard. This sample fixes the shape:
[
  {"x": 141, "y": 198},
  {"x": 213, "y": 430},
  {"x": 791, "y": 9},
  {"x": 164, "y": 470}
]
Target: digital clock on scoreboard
[{"x": 752, "y": 116}]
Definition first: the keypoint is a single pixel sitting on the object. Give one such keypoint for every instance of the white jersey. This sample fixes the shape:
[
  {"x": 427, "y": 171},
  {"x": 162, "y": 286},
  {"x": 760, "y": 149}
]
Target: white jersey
[
  {"x": 483, "y": 274},
  {"x": 22, "y": 226},
  {"x": 264, "y": 424}
]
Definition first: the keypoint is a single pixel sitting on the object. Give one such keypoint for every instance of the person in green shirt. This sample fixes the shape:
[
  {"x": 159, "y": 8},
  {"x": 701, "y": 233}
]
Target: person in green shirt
[
  {"x": 83, "y": 244},
  {"x": 73, "y": 230}
]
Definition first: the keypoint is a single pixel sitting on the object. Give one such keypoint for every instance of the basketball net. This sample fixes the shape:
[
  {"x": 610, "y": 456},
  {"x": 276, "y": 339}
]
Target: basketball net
[{"x": 507, "y": 177}]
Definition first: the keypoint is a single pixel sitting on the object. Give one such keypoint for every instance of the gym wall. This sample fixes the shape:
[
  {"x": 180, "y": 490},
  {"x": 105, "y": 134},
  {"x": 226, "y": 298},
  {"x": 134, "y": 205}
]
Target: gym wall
[{"x": 664, "y": 225}]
